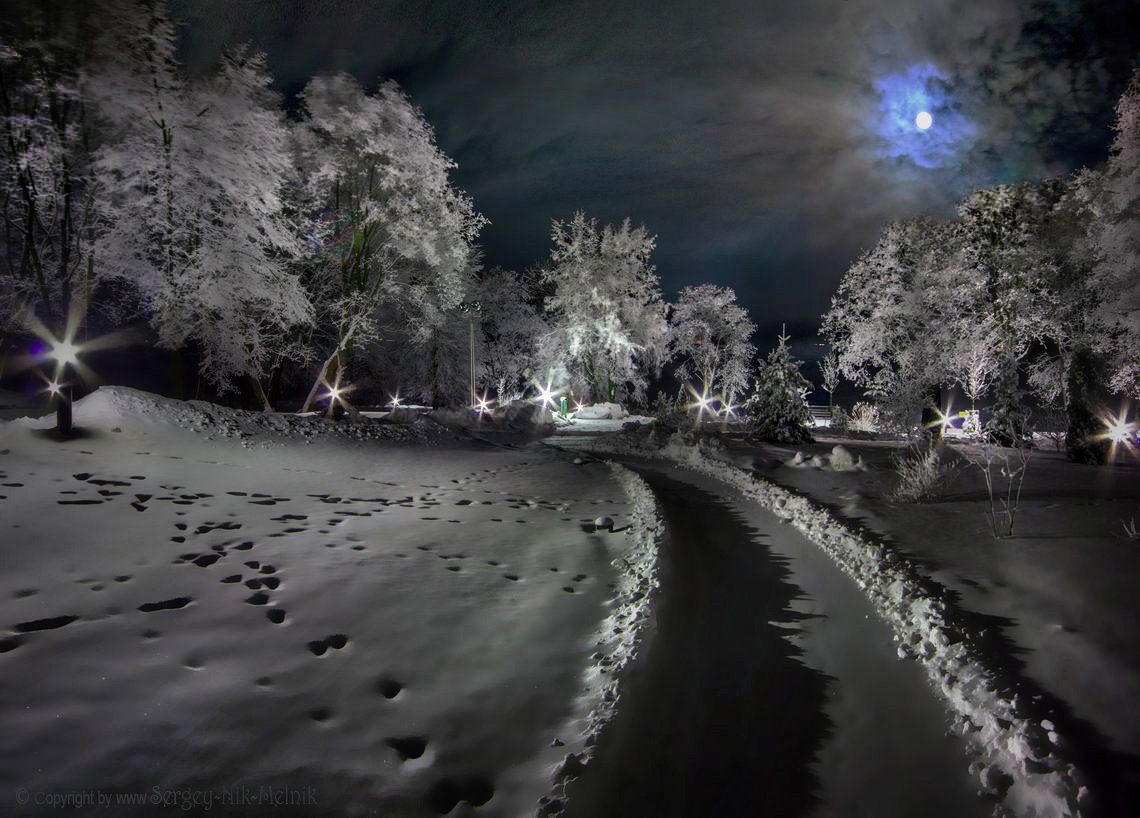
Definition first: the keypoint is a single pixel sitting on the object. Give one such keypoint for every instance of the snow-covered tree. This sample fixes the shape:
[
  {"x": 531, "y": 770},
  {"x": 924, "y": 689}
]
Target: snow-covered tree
[
  {"x": 512, "y": 328},
  {"x": 973, "y": 358},
  {"x": 884, "y": 319},
  {"x": 607, "y": 321},
  {"x": 778, "y": 408},
  {"x": 385, "y": 225},
  {"x": 710, "y": 333},
  {"x": 829, "y": 375},
  {"x": 1002, "y": 248},
  {"x": 431, "y": 370},
  {"x": 193, "y": 174},
  {"x": 47, "y": 199},
  {"x": 1111, "y": 197}
]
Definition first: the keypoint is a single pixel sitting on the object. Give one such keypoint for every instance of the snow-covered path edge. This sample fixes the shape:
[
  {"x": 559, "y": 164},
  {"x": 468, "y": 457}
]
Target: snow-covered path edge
[
  {"x": 1019, "y": 761},
  {"x": 619, "y": 636}
]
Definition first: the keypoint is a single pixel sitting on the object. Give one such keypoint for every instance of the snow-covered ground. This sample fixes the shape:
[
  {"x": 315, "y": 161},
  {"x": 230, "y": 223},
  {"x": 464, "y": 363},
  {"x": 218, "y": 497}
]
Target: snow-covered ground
[
  {"x": 372, "y": 619},
  {"x": 1059, "y": 597}
]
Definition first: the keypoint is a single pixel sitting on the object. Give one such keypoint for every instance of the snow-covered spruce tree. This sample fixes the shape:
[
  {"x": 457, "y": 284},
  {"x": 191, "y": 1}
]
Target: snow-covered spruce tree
[
  {"x": 778, "y": 409},
  {"x": 512, "y": 328},
  {"x": 384, "y": 224},
  {"x": 710, "y": 333},
  {"x": 47, "y": 196},
  {"x": 193, "y": 174},
  {"x": 1111, "y": 197},
  {"x": 607, "y": 321}
]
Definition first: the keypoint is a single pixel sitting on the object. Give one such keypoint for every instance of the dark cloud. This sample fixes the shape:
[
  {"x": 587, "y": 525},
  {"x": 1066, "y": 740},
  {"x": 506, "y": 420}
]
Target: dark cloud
[{"x": 749, "y": 136}]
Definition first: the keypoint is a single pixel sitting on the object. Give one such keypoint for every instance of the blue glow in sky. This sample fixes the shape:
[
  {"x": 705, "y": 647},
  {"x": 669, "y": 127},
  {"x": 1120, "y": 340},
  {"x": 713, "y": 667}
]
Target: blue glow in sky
[{"x": 902, "y": 98}]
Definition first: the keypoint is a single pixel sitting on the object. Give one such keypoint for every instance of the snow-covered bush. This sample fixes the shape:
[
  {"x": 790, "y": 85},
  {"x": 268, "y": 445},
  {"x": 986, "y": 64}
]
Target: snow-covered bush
[
  {"x": 864, "y": 417},
  {"x": 777, "y": 409},
  {"x": 923, "y": 471}
]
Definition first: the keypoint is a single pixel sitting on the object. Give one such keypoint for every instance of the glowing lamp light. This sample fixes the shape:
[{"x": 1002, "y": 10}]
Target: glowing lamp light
[
  {"x": 65, "y": 352},
  {"x": 923, "y": 121},
  {"x": 702, "y": 402},
  {"x": 546, "y": 394},
  {"x": 395, "y": 401},
  {"x": 334, "y": 393},
  {"x": 1119, "y": 430},
  {"x": 54, "y": 388},
  {"x": 482, "y": 405}
]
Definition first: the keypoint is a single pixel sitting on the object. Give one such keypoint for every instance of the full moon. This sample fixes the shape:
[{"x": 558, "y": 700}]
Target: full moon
[{"x": 924, "y": 120}]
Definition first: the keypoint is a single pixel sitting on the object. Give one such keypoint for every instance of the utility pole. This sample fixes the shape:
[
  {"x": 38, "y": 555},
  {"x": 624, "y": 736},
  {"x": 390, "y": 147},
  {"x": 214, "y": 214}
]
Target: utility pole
[{"x": 472, "y": 307}]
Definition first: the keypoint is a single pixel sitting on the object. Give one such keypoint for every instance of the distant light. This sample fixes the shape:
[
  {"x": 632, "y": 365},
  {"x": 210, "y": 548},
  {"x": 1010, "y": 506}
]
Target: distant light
[
  {"x": 545, "y": 395},
  {"x": 65, "y": 352},
  {"x": 701, "y": 402},
  {"x": 1120, "y": 431},
  {"x": 943, "y": 419},
  {"x": 54, "y": 388},
  {"x": 334, "y": 393},
  {"x": 395, "y": 401},
  {"x": 924, "y": 120},
  {"x": 482, "y": 405}
]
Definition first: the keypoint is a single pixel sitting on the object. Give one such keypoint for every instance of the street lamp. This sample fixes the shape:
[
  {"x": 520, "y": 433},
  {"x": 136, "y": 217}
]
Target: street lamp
[{"x": 65, "y": 353}]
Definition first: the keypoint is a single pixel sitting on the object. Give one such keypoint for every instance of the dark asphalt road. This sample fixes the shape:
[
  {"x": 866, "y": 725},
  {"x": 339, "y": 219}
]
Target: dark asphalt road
[{"x": 718, "y": 717}]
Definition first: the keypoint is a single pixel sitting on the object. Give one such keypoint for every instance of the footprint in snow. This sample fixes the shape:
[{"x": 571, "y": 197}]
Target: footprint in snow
[
  {"x": 166, "y": 604},
  {"x": 389, "y": 688},
  {"x": 446, "y": 793},
  {"x": 408, "y": 747}
]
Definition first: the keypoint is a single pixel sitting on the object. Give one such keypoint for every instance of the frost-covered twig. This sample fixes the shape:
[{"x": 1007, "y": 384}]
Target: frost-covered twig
[
  {"x": 1004, "y": 475},
  {"x": 1130, "y": 529}
]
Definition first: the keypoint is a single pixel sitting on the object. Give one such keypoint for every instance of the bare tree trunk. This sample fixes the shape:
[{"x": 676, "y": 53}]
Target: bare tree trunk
[
  {"x": 325, "y": 376},
  {"x": 259, "y": 393},
  {"x": 274, "y": 396}
]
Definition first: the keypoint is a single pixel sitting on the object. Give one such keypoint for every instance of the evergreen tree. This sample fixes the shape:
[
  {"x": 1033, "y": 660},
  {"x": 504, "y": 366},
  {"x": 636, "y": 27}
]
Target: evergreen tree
[{"x": 778, "y": 407}]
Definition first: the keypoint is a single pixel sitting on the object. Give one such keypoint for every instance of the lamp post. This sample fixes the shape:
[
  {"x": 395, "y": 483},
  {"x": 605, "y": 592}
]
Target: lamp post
[{"x": 66, "y": 355}]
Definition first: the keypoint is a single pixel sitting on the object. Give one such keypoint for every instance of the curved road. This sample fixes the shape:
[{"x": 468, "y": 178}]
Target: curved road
[{"x": 768, "y": 687}]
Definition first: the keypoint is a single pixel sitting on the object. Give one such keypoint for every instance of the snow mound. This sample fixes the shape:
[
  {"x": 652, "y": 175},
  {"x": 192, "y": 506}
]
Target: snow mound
[
  {"x": 601, "y": 411},
  {"x": 840, "y": 459},
  {"x": 123, "y": 408}
]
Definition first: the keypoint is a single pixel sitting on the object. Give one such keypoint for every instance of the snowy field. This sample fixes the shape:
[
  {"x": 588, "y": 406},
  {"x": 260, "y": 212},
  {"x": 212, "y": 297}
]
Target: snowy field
[
  {"x": 1061, "y": 590},
  {"x": 401, "y": 619}
]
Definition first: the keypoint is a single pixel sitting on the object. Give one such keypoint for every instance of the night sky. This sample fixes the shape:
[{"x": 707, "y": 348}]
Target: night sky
[{"x": 765, "y": 143}]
